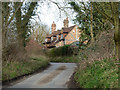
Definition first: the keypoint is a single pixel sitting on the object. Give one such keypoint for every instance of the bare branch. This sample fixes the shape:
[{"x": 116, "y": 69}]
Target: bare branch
[
  {"x": 60, "y": 7},
  {"x": 38, "y": 24},
  {"x": 13, "y": 15}
]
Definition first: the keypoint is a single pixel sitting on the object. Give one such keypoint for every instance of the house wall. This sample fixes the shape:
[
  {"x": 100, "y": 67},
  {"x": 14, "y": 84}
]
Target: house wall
[
  {"x": 46, "y": 45},
  {"x": 48, "y": 39},
  {"x": 71, "y": 37},
  {"x": 61, "y": 43},
  {"x": 54, "y": 38}
]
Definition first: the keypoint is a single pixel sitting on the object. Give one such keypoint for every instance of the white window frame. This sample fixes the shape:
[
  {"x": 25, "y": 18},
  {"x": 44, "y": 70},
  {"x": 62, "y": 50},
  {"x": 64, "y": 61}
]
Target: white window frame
[{"x": 51, "y": 38}]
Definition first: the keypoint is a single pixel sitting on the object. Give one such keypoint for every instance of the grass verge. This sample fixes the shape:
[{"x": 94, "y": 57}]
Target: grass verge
[
  {"x": 15, "y": 69},
  {"x": 101, "y": 74}
]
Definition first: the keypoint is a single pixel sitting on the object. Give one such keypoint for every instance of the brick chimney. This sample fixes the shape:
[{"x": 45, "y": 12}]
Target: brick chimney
[
  {"x": 53, "y": 27},
  {"x": 66, "y": 22}
]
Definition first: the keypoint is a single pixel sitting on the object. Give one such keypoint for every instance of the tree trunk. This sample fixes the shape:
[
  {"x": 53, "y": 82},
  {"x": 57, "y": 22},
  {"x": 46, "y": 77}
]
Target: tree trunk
[
  {"x": 115, "y": 6},
  {"x": 25, "y": 21},
  {"x": 91, "y": 24},
  {"x": 18, "y": 24},
  {"x": 115, "y": 15}
]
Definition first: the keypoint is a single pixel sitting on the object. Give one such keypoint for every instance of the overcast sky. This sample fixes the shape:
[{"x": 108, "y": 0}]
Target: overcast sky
[{"x": 49, "y": 12}]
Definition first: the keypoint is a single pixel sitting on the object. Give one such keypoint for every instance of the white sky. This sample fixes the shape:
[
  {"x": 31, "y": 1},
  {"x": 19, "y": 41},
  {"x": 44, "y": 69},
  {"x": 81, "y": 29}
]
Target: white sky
[{"x": 49, "y": 12}]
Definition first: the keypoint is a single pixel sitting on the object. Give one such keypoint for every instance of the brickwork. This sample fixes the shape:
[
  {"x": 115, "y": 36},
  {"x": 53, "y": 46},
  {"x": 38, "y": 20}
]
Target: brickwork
[
  {"x": 66, "y": 35},
  {"x": 53, "y": 27},
  {"x": 72, "y": 36},
  {"x": 61, "y": 43}
]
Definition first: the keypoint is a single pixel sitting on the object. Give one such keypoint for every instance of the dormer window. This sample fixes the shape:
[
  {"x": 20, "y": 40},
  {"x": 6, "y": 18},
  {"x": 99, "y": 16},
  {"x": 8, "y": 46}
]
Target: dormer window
[
  {"x": 61, "y": 36},
  {"x": 51, "y": 38}
]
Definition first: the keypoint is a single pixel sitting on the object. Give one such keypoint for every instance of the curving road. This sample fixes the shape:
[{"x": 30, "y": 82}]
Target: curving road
[{"x": 56, "y": 76}]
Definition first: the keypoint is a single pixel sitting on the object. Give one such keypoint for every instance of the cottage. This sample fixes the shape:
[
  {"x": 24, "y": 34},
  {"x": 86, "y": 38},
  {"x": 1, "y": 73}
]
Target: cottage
[{"x": 65, "y": 36}]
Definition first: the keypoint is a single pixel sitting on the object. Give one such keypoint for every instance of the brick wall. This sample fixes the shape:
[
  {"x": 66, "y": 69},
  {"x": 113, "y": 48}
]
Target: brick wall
[
  {"x": 71, "y": 37},
  {"x": 61, "y": 43}
]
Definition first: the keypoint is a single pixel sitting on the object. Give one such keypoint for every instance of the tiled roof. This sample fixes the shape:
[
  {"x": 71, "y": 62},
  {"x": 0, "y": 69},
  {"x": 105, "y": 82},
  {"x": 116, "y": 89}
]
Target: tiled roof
[
  {"x": 56, "y": 33},
  {"x": 68, "y": 29},
  {"x": 59, "y": 31}
]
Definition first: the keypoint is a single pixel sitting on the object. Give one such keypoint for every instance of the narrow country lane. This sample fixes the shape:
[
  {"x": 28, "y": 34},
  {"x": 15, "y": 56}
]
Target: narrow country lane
[{"x": 56, "y": 76}]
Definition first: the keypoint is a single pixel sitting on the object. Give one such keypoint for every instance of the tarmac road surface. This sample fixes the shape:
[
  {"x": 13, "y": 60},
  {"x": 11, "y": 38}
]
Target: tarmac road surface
[{"x": 56, "y": 76}]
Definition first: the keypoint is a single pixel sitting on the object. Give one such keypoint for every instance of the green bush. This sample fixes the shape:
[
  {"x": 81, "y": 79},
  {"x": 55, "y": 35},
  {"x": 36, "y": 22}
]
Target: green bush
[
  {"x": 66, "y": 50},
  {"x": 100, "y": 74},
  {"x": 65, "y": 59},
  {"x": 16, "y": 68}
]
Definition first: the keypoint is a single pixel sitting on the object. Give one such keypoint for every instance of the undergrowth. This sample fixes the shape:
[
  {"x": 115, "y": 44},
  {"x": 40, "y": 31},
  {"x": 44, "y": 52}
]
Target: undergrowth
[
  {"x": 101, "y": 74},
  {"x": 97, "y": 68},
  {"x": 13, "y": 69}
]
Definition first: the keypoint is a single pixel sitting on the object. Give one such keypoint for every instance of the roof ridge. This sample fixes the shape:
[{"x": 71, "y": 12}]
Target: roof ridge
[{"x": 68, "y": 29}]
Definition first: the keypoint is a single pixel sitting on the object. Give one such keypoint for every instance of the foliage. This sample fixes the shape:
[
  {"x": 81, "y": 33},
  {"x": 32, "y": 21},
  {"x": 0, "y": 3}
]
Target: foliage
[
  {"x": 84, "y": 37},
  {"x": 105, "y": 14},
  {"x": 90, "y": 21},
  {"x": 111, "y": 15},
  {"x": 83, "y": 17},
  {"x": 97, "y": 68},
  {"x": 65, "y": 59},
  {"x": 23, "y": 19},
  {"x": 100, "y": 74},
  {"x": 15, "y": 27},
  {"x": 65, "y": 50},
  {"x": 15, "y": 20},
  {"x": 14, "y": 69},
  {"x": 18, "y": 62}
]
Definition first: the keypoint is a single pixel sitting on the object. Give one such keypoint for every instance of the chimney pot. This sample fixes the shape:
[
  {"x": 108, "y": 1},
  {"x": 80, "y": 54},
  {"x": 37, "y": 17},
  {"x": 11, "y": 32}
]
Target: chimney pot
[{"x": 53, "y": 27}]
